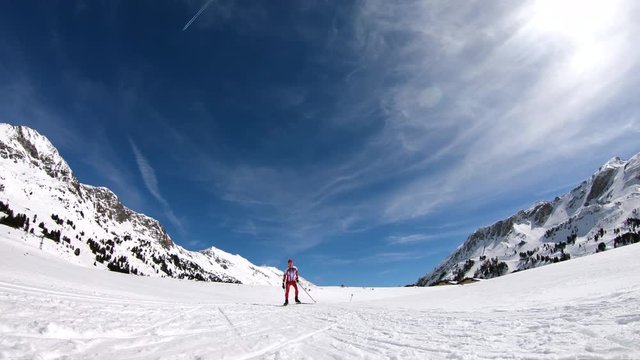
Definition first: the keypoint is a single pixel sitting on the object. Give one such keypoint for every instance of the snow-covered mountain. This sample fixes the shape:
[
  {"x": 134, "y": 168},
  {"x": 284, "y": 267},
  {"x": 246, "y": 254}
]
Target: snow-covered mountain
[
  {"x": 89, "y": 225},
  {"x": 601, "y": 213}
]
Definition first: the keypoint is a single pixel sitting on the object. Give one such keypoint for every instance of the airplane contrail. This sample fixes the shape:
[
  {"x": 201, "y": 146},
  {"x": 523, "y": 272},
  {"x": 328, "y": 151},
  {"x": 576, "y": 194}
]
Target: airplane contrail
[{"x": 197, "y": 14}]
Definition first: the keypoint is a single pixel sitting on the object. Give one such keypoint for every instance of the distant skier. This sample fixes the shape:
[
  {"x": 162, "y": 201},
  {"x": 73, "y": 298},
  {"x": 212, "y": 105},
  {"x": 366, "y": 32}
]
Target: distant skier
[{"x": 290, "y": 278}]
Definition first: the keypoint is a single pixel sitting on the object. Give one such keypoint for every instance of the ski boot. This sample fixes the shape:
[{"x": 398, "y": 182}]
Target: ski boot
[
  {"x": 298, "y": 301},
  {"x": 286, "y": 302}
]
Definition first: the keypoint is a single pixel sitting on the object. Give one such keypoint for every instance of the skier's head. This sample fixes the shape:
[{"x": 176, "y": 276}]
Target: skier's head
[{"x": 290, "y": 262}]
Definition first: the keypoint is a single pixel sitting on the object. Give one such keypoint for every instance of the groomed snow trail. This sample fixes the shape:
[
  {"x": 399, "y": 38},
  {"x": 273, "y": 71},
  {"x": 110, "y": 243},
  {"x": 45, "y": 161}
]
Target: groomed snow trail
[{"x": 584, "y": 308}]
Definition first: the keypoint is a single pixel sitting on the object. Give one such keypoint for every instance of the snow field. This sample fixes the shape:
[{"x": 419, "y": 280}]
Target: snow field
[{"x": 585, "y": 308}]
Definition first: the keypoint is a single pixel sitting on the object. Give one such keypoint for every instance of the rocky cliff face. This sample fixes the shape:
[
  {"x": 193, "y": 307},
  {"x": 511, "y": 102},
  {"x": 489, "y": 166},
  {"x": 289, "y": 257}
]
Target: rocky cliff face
[
  {"x": 91, "y": 227},
  {"x": 601, "y": 213}
]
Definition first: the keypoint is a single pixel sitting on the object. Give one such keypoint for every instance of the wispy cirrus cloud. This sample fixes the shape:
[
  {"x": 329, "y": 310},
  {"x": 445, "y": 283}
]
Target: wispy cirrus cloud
[
  {"x": 485, "y": 95},
  {"x": 23, "y": 101},
  {"x": 151, "y": 182},
  {"x": 434, "y": 235},
  {"x": 148, "y": 174},
  {"x": 408, "y": 239},
  {"x": 381, "y": 257},
  {"x": 461, "y": 104}
]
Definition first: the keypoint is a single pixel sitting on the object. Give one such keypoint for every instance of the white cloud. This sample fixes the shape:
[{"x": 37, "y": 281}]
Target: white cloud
[
  {"x": 377, "y": 258},
  {"x": 148, "y": 174},
  {"x": 475, "y": 101},
  {"x": 512, "y": 99},
  {"x": 407, "y": 239},
  {"x": 22, "y": 102},
  {"x": 151, "y": 182}
]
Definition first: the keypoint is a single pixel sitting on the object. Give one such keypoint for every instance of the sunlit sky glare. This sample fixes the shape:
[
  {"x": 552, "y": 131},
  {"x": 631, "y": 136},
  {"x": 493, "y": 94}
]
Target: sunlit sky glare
[{"x": 364, "y": 139}]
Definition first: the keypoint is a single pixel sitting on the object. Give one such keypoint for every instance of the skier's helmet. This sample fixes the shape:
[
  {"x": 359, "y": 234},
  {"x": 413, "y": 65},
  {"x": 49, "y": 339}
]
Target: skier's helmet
[{"x": 290, "y": 261}]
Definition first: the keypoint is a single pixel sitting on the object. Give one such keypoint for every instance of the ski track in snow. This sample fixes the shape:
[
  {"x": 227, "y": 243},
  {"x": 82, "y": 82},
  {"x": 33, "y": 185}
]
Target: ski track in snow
[
  {"x": 96, "y": 322},
  {"x": 62, "y": 327}
]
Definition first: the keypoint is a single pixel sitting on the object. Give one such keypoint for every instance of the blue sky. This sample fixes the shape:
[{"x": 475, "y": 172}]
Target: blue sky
[{"x": 364, "y": 139}]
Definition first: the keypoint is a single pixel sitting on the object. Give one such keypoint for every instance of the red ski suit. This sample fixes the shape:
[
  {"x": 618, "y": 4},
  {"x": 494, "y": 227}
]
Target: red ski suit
[{"x": 290, "y": 278}]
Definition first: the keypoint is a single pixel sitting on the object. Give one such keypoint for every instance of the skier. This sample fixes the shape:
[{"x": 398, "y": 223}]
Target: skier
[{"x": 290, "y": 278}]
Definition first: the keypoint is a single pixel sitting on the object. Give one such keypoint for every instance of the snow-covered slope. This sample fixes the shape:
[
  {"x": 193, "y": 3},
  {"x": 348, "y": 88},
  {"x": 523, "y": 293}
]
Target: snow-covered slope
[
  {"x": 601, "y": 213},
  {"x": 580, "y": 309},
  {"x": 89, "y": 226}
]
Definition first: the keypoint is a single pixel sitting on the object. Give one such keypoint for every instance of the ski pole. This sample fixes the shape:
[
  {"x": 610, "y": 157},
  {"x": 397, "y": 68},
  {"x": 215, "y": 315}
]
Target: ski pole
[{"x": 305, "y": 290}]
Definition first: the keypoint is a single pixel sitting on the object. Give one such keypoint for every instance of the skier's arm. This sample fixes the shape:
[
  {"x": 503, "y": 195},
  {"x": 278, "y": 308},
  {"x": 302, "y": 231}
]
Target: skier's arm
[{"x": 297, "y": 275}]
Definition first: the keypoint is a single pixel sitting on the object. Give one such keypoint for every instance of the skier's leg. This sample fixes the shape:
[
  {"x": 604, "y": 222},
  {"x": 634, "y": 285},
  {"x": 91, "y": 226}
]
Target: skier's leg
[{"x": 295, "y": 286}]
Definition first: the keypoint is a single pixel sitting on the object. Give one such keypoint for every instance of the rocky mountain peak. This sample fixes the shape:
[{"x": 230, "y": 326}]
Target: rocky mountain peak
[
  {"x": 23, "y": 143},
  {"x": 614, "y": 162},
  {"x": 601, "y": 213},
  {"x": 91, "y": 227}
]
